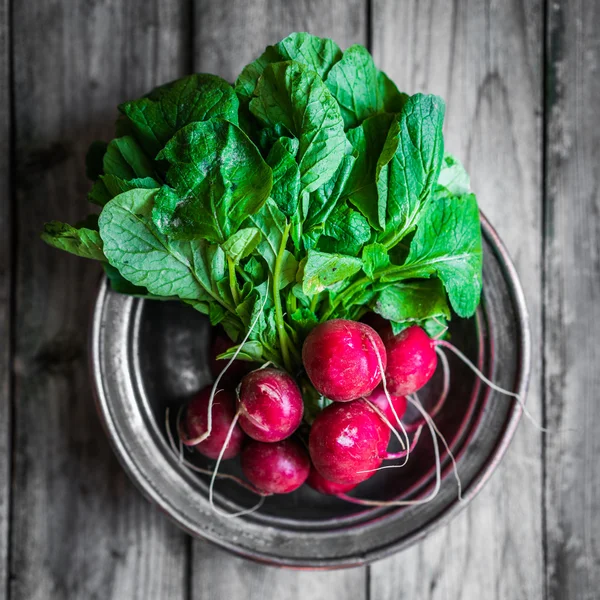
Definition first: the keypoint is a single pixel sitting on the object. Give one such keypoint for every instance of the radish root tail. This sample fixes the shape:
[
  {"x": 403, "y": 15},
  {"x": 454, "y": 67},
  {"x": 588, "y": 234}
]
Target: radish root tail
[
  {"x": 438, "y": 471},
  {"x": 490, "y": 383}
]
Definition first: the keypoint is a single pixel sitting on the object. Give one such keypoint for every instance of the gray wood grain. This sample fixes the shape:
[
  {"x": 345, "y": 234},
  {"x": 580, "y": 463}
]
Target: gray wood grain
[
  {"x": 484, "y": 58},
  {"x": 6, "y": 240},
  {"x": 80, "y": 530},
  {"x": 572, "y": 315},
  {"x": 228, "y": 35}
]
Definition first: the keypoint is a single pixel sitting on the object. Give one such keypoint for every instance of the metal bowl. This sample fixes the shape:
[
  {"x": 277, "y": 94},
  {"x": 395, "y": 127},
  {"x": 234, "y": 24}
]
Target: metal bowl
[{"x": 147, "y": 356}]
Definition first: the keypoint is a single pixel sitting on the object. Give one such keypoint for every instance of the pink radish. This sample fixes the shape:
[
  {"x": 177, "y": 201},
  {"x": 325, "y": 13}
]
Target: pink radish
[
  {"x": 348, "y": 442},
  {"x": 270, "y": 405},
  {"x": 380, "y": 400},
  {"x": 317, "y": 482},
  {"x": 411, "y": 361},
  {"x": 342, "y": 359},
  {"x": 278, "y": 468},
  {"x": 194, "y": 424}
]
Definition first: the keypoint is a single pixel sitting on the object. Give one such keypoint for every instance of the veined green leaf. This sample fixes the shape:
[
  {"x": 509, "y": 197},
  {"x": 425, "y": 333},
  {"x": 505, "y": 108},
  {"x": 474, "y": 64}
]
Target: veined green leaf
[
  {"x": 109, "y": 186},
  {"x": 286, "y": 175},
  {"x": 295, "y": 96},
  {"x": 81, "y": 241},
  {"x": 372, "y": 156},
  {"x": 447, "y": 244},
  {"x": 242, "y": 243},
  {"x": 375, "y": 259},
  {"x": 323, "y": 270},
  {"x": 345, "y": 231},
  {"x": 145, "y": 257},
  {"x": 360, "y": 88},
  {"x": 319, "y": 54},
  {"x": 157, "y": 117},
  {"x": 125, "y": 158},
  {"x": 412, "y": 301},
  {"x": 410, "y": 176},
  {"x": 218, "y": 179}
]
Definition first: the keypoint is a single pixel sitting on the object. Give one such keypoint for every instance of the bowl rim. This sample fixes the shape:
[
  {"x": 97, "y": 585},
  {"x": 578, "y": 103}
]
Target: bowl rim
[{"x": 150, "y": 492}]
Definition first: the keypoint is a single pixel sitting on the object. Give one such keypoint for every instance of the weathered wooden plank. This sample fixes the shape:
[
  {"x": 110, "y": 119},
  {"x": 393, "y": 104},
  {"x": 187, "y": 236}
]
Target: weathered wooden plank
[
  {"x": 229, "y": 34},
  {"x": 484, "y": 58},
  {"x": 80, "y": 530},
  {"x": 572, "y": 316},
  {"x": 6, "y": 240}
]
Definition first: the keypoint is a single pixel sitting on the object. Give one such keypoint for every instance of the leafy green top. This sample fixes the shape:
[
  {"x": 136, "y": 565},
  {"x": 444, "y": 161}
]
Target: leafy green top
[{"x": 312, "y": 189}]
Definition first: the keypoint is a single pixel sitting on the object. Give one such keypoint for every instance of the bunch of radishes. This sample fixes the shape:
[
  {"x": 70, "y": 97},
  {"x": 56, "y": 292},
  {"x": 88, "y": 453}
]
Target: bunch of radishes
[{"x": 365, "y": 371}]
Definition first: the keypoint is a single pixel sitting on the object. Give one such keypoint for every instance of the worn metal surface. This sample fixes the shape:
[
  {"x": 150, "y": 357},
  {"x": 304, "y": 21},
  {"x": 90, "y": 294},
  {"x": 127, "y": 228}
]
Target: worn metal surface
[{"x": 149, "y": 356}]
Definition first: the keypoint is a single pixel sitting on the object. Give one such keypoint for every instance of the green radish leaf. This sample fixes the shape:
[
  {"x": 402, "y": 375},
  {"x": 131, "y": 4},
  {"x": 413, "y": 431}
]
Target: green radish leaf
[
  {"x": 345, "y": 232},
  {"x": 81, "y": 241},
  {"x": 323, "y": 201},
  {"x": 286, "y": 175},
  {"x": 109, "y": 186},
  {"x": 412, "y": 302},
  {"x": 436, "y": 327},
  {"x": 447, "y": 244},
  {"x": 251, "y": 351},
  {"x": 94, "y": 160},
  {"x": 125, "y": 158},
  {"x": 359, "y": 87},
  {"x": 255, "y": 269},
  {"x": 319, "y": 54},
  {"x": 218, "y": 179},
  {"x": 271, "y": 222},
  {"x": 290, "y": 94},
  {"x": 375, "y": 259},
  {"x": 156, "y": 118},
  {"x": 416, "y": 137},
  {"x": 146, "y": 258},
  {"x": 242, "y": 243},
  {"x": 119, "y": 284},
  {"x": 369, "y": 170},
  {"x": 304, "y": 321},
  {"x": 323, "y": 270},
  {"x": 453, "y": 179}
]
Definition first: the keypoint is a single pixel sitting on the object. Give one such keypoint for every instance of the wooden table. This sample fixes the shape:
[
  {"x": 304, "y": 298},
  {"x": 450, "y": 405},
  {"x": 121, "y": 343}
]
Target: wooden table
[{"x": 522, "y": 82}]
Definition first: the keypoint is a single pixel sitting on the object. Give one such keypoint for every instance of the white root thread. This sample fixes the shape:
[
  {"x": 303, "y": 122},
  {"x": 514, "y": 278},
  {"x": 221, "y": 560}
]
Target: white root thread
[
  {"x": 228, "y": 515},
  {"x": 443, "y": 396},
  {"x": 214, "y": 391},
  {"x": 405, "y": 446},
  {"x": 445, "y": 443},
  {"x": 489, "y": 383},
  {"x": 393, "y": 429},
  {"x": 438, "y": 472},
  {"x": 196, "y": 468},
  {"x": 413, "y": 445}
]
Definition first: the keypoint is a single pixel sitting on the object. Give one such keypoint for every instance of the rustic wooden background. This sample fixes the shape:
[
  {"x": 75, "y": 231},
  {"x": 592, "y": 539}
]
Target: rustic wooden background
[{"x": 522, "y": 85}]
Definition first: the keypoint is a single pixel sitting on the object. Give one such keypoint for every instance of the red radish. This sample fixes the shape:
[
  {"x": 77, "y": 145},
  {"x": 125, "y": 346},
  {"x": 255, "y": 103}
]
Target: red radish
[
  {"x": 347, "y": 442},
  {"x": 411, "y": 361},
  {"x": 324, "y": 486},
  {"x": 238, "y": 368},
  {"x": 270, "y": 405},
  {"x": 379, "y": 399},
  {"x": 342, "y": 359},
  {"x": 223, "y": 413},
  {"x": 278, "y": 468}
]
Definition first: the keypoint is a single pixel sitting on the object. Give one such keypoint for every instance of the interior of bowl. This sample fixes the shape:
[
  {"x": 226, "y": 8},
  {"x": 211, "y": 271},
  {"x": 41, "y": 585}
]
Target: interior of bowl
[
  {"x": 148, "y": 357},
  {"x": 172, "y": 352}
]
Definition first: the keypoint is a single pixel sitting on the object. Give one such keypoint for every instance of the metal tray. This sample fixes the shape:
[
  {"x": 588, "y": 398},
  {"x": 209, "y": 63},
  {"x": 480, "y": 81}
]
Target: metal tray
[{"x": 148, "y": 355}]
